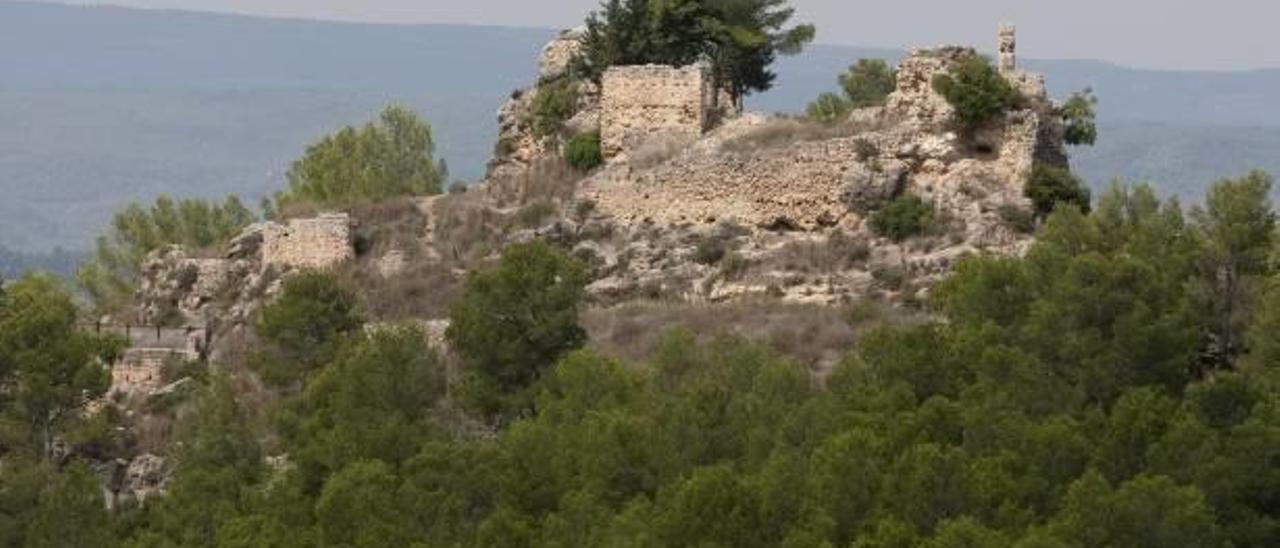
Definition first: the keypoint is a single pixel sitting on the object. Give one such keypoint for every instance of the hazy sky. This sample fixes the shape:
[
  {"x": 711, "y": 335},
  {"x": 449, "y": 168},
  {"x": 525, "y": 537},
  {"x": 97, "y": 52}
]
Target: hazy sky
[{"x": 1219, "y": 34}]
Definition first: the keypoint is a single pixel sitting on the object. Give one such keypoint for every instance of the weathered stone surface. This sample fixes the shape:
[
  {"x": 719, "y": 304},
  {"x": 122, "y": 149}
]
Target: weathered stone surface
[
  {"x": 318, "y": 242},
  {"x": 557, "y": 54},
  {"x": 641, "y": 102},
  {"x": 869, "y": 186}
]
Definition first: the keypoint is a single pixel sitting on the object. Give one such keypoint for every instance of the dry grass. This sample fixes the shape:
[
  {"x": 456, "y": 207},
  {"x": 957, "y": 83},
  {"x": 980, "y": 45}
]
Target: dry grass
[
  {"x": 549, "y": 179},
  {"x": 656, "y": 150},
  {"x": 466, "y": 228},
  {"x": 816, "y": 335},
  {"x": 783, "y": 131},
  {"x": 423, "y": 289},
  {"x": 382, "y": 226},
  {"x": 836, "y": 253}
]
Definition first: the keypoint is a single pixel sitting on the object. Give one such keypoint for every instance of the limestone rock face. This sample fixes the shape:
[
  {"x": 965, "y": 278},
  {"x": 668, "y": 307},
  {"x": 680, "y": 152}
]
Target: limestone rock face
[
  {"x": 557, "y": 54},
  {"x": 519, "y": 148},
  {"x": 867, "y": 187}
]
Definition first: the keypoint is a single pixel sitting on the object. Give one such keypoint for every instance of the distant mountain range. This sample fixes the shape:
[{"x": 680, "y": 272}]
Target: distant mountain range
[{"x": 100, "y": 106}]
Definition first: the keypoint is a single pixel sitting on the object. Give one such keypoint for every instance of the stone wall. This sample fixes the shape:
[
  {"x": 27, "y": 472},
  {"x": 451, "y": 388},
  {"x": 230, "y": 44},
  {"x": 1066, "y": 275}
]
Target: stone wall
[
  {"x": 140, "y": 370},
  {"x": 318, "y": 242},
  {"x": 646, "y": 101}
]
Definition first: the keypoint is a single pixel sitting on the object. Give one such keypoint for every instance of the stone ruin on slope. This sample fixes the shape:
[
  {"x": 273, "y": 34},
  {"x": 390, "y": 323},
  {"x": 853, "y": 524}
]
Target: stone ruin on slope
[
  {"x": 640, "y": 103},
  {"x": 318, "y": 242},
  {"x": 806, "y": 182}
]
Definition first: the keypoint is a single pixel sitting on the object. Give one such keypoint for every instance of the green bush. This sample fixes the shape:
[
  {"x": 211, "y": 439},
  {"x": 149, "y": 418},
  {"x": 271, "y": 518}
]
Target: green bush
[
  {"x": 1049, "y": 186},
  {"x": 555, "y": 102},
  {"x": 906, "y": 216},
  {"x": 582, "y": 152},
  {"x": 1017, "y": 218},
  {"x": 391, "y": 156},
  {"x": 1080, "y": 118},
  {"x": 829, "y": 107},
  {"x": 868, "y": 83},
  {"x": 976, "y": 90},
  {"x": 304, "y": 326},
  {"x": 514, "y": 320}
]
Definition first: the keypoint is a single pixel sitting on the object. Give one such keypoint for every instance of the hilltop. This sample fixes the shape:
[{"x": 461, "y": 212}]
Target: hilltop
[{"x": 104, "y": 106}]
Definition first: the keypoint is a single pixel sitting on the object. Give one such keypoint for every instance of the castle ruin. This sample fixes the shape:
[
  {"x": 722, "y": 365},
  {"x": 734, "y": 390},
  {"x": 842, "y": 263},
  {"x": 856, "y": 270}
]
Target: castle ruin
[
  {"x": 1008, "y": 49},
  {"x": 319, "y": 242},
  {"x": 642, "y": 102}
]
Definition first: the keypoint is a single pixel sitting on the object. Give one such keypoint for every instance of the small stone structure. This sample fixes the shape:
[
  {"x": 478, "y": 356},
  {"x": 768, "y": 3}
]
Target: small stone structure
[
  {"x": 140, "y": 370},
  {"x": 1008, "y": 48},
  {"x": 645, "y": 101},
  {"x": 318, "y": 242}
]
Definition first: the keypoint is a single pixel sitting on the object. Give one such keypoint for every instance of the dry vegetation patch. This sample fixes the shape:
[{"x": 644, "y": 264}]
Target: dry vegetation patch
[{"x": 817, "y": 335}]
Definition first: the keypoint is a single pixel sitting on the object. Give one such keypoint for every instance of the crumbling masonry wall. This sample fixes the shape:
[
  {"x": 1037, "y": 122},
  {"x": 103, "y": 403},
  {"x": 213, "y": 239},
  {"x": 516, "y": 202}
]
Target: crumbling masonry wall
[
  {"x": 318, "y": 242},
  {"x": 645, "y": 101}
]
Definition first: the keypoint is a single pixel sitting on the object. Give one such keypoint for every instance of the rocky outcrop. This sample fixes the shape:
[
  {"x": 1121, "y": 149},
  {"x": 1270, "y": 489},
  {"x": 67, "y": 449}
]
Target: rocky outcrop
[
  {"x": 557, "y": 55},
  {"x": 520, "y": 147}
]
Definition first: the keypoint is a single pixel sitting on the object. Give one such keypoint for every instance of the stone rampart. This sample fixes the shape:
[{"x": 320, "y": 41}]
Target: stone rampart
[
  {"x": 319, "y": 242},
  {"x": 646, "y": 101}
]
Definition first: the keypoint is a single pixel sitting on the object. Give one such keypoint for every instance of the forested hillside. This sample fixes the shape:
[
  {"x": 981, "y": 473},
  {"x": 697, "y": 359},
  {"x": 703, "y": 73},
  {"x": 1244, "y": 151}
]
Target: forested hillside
[{"x": 1116, "y": 387}]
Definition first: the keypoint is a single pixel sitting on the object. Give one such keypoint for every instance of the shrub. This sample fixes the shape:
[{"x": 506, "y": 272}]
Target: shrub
[
  {"x": 733, "y": 266},
  {"x": 1080, "y": 118},
  {"x": 906, "y": 216},
  {"x": 514, "y": 320},
  {"x": 304, "y": 326},
  {"x": 391, "y": 156},
  {"x": 829, "y": 107},
  {"x": 532, "y": 215},
  {"x": 555, "y": 103},
  {"x": 1049, "y": 186},
  {"x": 868, "y": 83},
  {"x": 976, "y": 90},
  {"x": 582, "y": 152},
  {"x": 1017, "y": 218}
]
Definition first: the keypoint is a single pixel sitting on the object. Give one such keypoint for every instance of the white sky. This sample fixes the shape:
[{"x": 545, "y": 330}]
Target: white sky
[{"x": 1219, "y": 34}]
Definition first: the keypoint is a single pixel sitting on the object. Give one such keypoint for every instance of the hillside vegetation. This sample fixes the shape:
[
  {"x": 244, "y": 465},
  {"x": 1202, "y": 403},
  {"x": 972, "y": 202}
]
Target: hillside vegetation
[{"x": 912, "y": 325}]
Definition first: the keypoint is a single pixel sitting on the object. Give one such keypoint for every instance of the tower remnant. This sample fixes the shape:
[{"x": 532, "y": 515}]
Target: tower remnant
[{"x": 1008, "y": 48}]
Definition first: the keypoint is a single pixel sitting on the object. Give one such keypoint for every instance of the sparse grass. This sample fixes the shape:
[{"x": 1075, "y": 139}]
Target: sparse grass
[
  {"x": 536, "y": 212},
  {"x": 465, "y": 227},
  {"x": 733, "y": 266},
  {"x": 655, "y": 151},
  {"x": 837, "y": 252},
  {"x": 713, "y": 247},
  {"x": 818, "y": 335},
  {"x": 421, "y": 290},
  {"x": 889, "y": 277},
  {"x": 784, "y": 131},
  {"x": 396, "y": 223},
  {"x": 551, "y": 179}
]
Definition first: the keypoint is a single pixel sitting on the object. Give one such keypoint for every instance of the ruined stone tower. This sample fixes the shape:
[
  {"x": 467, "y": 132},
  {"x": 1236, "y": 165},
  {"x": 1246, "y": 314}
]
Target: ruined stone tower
[{"x": 1008, "y": 48}]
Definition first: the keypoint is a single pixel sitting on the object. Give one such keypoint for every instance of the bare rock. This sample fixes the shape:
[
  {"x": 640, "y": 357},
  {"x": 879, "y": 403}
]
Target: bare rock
[
  {"x": 868, "y": 186},
  {"x": 557, "y": 54}
]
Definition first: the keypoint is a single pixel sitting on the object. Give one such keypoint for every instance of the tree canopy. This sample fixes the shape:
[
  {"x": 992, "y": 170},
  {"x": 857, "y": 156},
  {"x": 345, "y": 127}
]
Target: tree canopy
[
  {"x": 388, "y": 157},
  {"x": 740, "y": 38},
  {"x": 110, "y": 275}
]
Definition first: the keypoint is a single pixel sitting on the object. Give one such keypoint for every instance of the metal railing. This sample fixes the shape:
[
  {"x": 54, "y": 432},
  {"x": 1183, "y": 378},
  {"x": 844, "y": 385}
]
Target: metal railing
[{"x": 153, "y": 336}]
